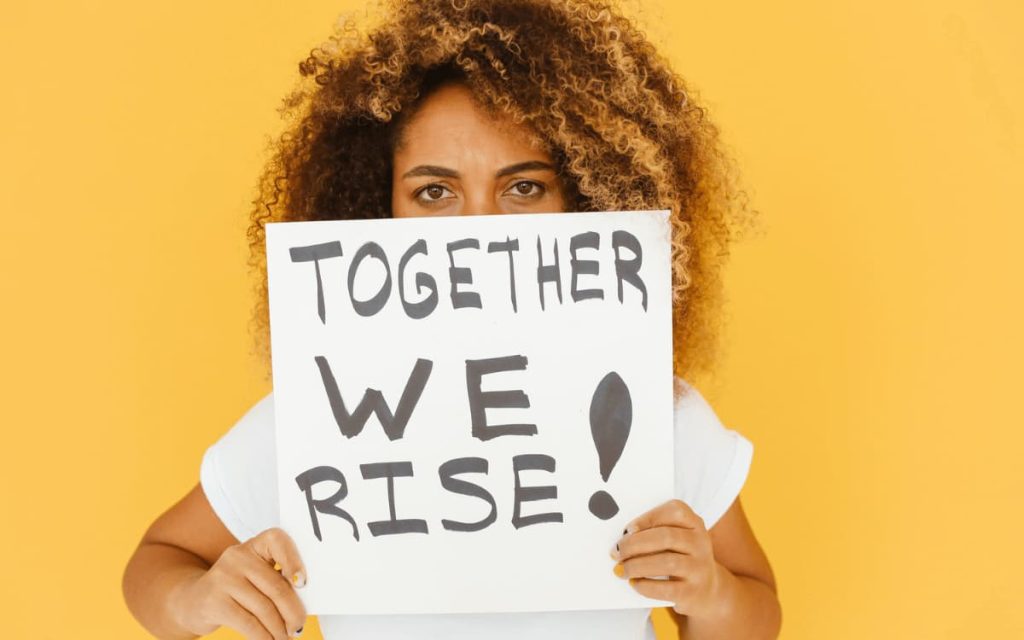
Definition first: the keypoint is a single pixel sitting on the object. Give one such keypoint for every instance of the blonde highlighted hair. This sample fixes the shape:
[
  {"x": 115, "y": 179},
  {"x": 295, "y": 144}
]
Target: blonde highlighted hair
[{"x": 625, "y": 130}]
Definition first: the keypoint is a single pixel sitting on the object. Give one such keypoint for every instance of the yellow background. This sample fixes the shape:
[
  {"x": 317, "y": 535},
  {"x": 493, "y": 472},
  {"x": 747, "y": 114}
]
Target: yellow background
[{"x": 873, "y": 352}]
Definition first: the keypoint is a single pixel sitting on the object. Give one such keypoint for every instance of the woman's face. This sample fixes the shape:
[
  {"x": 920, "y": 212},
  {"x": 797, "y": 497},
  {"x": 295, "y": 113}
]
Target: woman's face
[{"x": 454, "y": 159}]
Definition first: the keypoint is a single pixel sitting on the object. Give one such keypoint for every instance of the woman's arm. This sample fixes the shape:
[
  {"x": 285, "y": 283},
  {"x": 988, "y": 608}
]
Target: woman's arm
[
  {"x": 190, "y": 575},
  {"x": 749, "y": 602},
  {"x": 720, "y": 579},
  {"x": 176, "y": 549}
]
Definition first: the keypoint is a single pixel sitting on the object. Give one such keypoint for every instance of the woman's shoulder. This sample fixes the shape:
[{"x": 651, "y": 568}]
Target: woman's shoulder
[
  {"x": 711, "y": 460},
  {"x": 262, "y": 411},
  {"x": 689, "y": 403},
  {"x": 234, "y": 472}
]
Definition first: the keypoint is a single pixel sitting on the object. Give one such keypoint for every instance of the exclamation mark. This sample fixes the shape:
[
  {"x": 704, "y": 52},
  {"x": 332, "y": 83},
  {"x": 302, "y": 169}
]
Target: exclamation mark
[{"x": 611, "y": 413}]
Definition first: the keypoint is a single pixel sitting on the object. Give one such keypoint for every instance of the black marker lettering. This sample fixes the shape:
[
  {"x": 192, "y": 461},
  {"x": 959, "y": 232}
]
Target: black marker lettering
[
  {"x": 629, "y": 270},
  {"x": 391, "y": 470},
  {"x": 329, "y": 506},
  {"x": 586, "y": 240},
  {"x": 508, "y": 246},
  {"x": 315, "y": 253},
  {"x": 480, "y": 400},
  {"x": 423, "y": 308},
  {"x": 373, "y": 401},
  {"x": 462, "y": 275},
  {"x": 447, "y": 471},
  {"x": 529, "y": 494},
  {"x": 376, "y": 303},
  {"x": 548, "y": 273}
]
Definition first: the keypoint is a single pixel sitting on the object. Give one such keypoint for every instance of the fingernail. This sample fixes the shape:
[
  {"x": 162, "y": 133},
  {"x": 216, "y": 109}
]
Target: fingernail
[
  {"x": 299, "y": 579},
  {"x": 619, "y": 570},
  {"x": 277, "y": 566}
]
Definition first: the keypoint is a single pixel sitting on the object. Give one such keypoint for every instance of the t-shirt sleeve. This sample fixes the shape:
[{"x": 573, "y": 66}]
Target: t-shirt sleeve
[
  {"x": 238, "y": 473},
  {"x": 712, "y": 461}
]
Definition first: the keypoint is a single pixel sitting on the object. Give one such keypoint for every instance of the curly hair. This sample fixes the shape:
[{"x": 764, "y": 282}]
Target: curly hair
[{"x": 624, "y": 129}]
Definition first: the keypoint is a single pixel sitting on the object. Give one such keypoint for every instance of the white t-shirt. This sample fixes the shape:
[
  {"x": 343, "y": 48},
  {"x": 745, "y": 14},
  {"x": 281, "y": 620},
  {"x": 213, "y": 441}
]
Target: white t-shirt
[{"x": 237, "y": 476}]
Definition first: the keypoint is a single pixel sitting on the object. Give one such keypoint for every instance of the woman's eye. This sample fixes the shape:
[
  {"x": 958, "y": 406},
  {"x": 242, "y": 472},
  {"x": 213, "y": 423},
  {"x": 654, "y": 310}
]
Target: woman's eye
[
  {"x": 527, "y": 188},
  {"x": 432, "y": 193}
]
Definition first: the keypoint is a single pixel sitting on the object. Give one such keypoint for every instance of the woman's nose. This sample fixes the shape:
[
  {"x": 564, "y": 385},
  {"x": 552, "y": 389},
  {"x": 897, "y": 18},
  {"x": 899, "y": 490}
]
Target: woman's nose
[{"x": 479, "y": 204}]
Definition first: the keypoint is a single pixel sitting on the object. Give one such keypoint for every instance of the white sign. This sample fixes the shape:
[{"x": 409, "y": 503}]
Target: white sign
[{"x": 469, "y": 409}]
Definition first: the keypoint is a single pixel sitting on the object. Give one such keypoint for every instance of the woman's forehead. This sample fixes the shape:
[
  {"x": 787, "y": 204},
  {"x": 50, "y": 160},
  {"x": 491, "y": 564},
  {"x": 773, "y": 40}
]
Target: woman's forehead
[{"x": 451, "y": 121}]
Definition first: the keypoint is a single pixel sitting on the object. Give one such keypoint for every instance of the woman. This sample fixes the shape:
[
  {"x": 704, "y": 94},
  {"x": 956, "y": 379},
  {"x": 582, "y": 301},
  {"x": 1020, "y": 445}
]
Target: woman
[{"x": 485, "y": 107}]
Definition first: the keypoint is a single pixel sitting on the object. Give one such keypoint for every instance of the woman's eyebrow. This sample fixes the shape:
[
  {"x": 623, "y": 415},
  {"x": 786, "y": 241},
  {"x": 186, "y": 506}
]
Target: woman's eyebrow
[
  {"x": 430, "y": 170},
  {"x": 530, "y": 165},
  {"x": 445, "y": 172}
]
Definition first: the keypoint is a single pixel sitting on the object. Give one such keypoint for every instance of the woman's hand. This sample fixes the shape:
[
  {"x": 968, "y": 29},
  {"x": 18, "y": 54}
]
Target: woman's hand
[
  {"x": 244, "y": 591},
  {"x": 670, "y": 541}
]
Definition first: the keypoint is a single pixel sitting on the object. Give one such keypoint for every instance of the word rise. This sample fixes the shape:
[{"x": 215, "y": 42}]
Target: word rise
[{"x": 447, "y": 473}]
